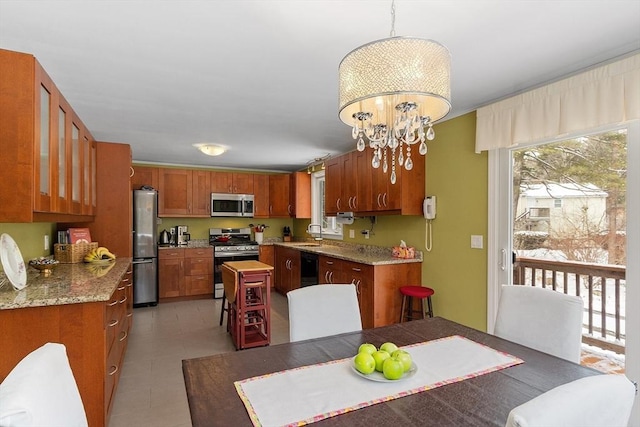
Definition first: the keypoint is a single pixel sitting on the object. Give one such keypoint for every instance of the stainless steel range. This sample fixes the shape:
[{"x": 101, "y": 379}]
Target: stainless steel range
[{"x": 230, "y": 244}]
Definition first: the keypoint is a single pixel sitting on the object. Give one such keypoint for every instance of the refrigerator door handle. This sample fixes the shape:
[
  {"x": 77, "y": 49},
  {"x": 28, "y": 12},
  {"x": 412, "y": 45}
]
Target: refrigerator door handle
[{"x": 143, "y": 261}]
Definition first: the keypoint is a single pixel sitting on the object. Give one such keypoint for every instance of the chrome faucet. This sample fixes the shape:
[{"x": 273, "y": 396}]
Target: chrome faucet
[{"x": 316, "y": 235}]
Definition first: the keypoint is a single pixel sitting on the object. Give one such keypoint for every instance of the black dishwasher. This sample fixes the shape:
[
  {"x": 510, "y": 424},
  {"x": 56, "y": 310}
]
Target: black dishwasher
[{"x": 308, "y": 269}]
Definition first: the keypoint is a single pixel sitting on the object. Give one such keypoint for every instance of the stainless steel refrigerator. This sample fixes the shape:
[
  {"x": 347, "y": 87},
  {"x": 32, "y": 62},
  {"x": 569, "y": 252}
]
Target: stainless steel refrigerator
[{"x": 145, "y": 247}]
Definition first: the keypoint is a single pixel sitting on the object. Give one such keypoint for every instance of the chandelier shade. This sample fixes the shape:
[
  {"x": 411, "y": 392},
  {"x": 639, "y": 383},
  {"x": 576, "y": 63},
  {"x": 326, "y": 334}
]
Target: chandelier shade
[
  {"x": 392, "y": 71},
  {"x": 391, "y": 92}
]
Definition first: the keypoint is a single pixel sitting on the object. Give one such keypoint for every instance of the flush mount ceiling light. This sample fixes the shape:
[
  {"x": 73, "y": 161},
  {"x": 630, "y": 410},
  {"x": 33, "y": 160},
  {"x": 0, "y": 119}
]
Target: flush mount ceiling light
[
  {"x": 210, "y": 149},
  {"x": 392, "y": 91}
]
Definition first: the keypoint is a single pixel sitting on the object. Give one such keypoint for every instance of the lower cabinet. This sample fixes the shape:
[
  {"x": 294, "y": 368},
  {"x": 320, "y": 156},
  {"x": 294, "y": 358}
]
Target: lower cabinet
[
  {"x": 198, "y": 271},
  {"x": 95, "y": 335},
  {"x": 287, "y": 266},
  {"x": 170, "y": 272},
  {"x": 184, "y": 272},
  {"x": 378, "y": 286}
]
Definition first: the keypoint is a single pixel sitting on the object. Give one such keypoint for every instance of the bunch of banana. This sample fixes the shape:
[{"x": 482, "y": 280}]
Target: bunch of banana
[
  {"x": 99, "y": 254},
  {"x": 99, "y": 270}
]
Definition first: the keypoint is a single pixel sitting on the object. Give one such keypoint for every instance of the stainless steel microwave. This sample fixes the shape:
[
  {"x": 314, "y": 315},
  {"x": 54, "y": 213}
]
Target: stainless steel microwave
[{"x": 224, "y": 204}]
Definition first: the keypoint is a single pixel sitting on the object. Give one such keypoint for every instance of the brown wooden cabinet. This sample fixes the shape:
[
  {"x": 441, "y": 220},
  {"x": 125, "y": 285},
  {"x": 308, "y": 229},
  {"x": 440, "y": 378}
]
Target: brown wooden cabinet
[
  {"x": 144, "y": 176},
  {"x": 232, "y": 182},
  {"x": 198, "y": 270},
  {"x": 352, "y": 184},
  {"x": 261, "y": 196},
  {"x": 175, "y": 188},
  {"x": 300, "y": 195},
  {"x": 333, "y": 186},
  {"x": 185, "y": 272},
  {"x": 377, "y": 286},
  {"x": 279, "y": 196},
  {"x": 113, "y": 216},
  {"x": 95, "y": 335},
  {"x": 44, "y": 144},
  {"x": 330, "y": 270},
  {"x": 184, "y": 193},
  {"x": 287, "y": 266},
  {"x": 170, "y": 272},
  {"x": 201, "y": 193}
]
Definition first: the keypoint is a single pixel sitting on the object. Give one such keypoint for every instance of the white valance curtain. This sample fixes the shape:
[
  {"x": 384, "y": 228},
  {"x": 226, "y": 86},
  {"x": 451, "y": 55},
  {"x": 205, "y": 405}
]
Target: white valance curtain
[{"x": 602, "y": 96}]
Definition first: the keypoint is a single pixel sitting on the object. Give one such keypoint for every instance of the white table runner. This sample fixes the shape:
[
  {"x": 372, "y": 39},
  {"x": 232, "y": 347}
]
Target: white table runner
[{"x": 312, "y": 393}]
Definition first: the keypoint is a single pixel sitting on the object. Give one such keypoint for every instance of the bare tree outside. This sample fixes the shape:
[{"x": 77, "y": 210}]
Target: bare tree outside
[{"x": 593, "y": 166}]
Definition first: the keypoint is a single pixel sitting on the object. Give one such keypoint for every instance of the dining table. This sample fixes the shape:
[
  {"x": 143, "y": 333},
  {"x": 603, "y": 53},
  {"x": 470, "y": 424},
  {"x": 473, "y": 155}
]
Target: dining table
[{"x": 483, "y": 400}]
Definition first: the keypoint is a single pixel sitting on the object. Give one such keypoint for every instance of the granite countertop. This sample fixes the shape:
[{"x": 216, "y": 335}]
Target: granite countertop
[
  {"x": 68, "y": 284},
  {"x": 363, "y": 254}
]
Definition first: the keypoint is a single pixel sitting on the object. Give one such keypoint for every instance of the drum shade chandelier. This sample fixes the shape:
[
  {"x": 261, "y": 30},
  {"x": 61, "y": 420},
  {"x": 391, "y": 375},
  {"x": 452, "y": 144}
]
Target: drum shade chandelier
[{"x": 392, "y": 91}]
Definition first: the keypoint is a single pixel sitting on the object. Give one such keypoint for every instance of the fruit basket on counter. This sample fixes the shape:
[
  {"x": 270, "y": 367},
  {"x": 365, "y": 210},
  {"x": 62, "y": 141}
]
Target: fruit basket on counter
[{"x": 72, "y": 253}]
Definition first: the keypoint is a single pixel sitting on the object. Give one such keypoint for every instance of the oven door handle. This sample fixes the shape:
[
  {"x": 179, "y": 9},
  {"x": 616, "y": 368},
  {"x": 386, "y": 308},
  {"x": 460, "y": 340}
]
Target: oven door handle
[{"x": 232, "y": 254}]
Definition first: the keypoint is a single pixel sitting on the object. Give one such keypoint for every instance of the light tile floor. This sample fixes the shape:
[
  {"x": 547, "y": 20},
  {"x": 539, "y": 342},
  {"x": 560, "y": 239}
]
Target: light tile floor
[{"x": 151, "y": 391}]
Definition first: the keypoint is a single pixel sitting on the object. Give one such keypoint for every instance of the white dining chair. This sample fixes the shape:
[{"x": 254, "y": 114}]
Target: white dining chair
[
  {"x": 597, "y": 401},
  {"x": 42, "y": 391},
  {"x": 323, "y": 310},
  {"x": 542, "y": 319}
]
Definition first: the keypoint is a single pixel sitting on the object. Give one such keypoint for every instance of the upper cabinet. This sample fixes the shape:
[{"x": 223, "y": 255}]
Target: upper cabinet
[
  {"x": 143, "y": 176},
  {"x": 300, "y": 195},
  {"x": 290, "y": 195},
  {"x": 175, "y": 188},
  {"x": 46, "y": 148},
  {"x": 232, "y": 182},
  {"x": 352, "y": 184},
  {"x": 261, "y": 196},
  {"x": 279, "y": 196}
]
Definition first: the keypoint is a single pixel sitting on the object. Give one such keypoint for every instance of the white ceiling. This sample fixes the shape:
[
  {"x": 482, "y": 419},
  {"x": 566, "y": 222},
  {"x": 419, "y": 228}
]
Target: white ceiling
[{"x": 261, "y": 76}]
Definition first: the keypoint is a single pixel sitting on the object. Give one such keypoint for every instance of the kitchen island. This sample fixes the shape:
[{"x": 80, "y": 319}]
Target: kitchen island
[{"x": 86, "y": 308}]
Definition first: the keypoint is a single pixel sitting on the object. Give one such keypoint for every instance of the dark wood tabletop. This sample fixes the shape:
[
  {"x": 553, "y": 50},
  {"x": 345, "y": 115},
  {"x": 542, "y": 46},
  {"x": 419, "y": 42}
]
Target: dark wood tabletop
[{"x": 481, "y": 401}]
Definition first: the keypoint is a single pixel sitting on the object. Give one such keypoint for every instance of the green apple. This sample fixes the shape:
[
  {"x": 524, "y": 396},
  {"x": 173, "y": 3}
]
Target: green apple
[
  {"x": 367, "y": 348},
  {"x": 380, "y": 356},
  {"x": 364, "y": 363},
  {"x": 389, "y": 347},
  {"x": 404, "y": 357},
  {"x": 392, "y": 369}
]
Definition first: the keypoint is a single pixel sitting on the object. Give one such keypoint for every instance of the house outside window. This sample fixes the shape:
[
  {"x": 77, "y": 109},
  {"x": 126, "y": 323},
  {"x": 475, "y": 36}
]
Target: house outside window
[
  {"x": 330, "y": 228},
  {"x": 557, "y": 203}
]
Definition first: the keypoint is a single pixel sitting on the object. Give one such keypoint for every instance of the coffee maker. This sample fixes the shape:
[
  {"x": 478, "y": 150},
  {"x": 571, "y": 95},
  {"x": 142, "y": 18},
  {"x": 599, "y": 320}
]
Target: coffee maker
[{"x": 181, "y": 235}]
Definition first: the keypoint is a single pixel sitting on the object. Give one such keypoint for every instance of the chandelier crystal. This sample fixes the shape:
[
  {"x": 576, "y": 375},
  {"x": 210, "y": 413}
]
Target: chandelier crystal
[{"x": 392, "y": 91}]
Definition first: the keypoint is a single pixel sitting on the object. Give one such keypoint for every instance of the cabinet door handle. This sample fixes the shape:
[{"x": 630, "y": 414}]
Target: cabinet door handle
[
  {"x": 111, "y": 304},
  {"x": 124, "y": 336},
  {"x": 355, "y": 269},
  {"x": 384, "y": 199},
  {"x": 120, "y": 288},
  {"x": 329, "y": 262},
  {"x": 331, "y": 277},
  {"x": 355, "y": 202},
  {"x": 123, "y": 300},
  {"x": 379, "y": 194},
  {"x": 114, "y": 369},
  {"x": 113, "y": 323},
  {"x": 338, "y": 203}
]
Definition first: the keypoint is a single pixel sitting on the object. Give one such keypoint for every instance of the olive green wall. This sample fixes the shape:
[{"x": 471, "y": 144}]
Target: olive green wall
[
  {"x": 458, "y": 177},
  {"x": 30, "y": 238}
]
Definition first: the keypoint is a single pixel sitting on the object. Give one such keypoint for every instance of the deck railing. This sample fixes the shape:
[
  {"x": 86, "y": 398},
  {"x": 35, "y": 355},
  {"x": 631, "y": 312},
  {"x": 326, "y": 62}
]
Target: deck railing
[{"x": 601, "y": 286}]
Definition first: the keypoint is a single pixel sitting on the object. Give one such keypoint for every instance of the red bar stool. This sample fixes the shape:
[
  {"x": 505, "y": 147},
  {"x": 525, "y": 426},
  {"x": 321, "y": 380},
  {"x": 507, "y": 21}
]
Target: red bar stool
[{"x": 410, "y": 292}]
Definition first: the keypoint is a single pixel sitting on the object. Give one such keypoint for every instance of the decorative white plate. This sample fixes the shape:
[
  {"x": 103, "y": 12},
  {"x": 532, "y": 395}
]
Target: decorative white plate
[
  {"x": 379, "y": 377},
  {"x": 12, "y": 262}
]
